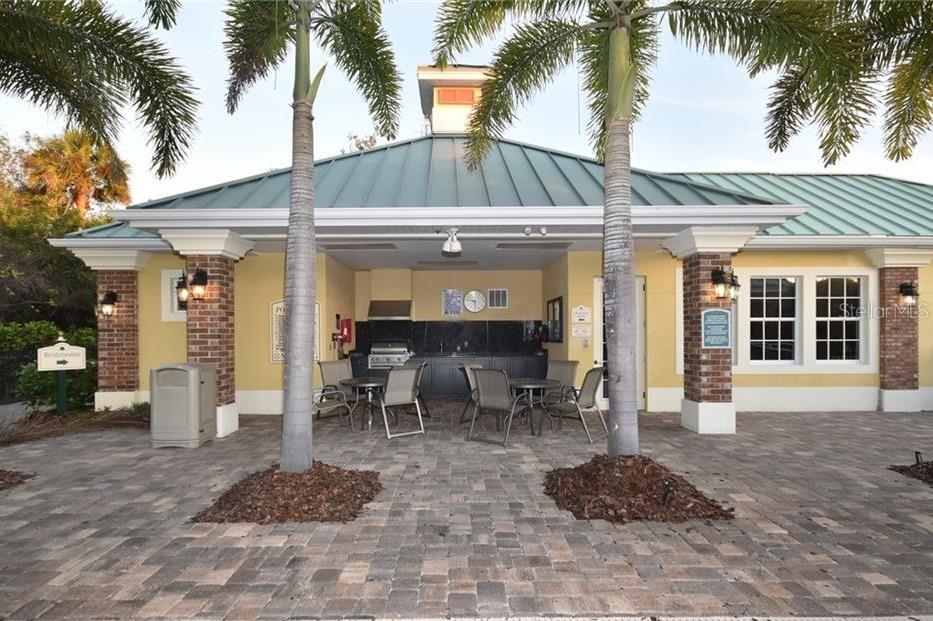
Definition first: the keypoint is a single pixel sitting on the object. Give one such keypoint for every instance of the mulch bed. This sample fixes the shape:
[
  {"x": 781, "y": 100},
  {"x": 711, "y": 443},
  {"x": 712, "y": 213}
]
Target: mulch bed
[
  {"x": 922, "y": 470},
  {"x": 41, "y": 425},
  {"x": 322, "y": 494},
  {"x": 12, "y": 478},
  {"x": 625, "y": 489}
]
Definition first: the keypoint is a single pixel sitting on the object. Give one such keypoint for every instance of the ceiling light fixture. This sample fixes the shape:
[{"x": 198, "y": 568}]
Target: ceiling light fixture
[{"x": 452, "y": 246}]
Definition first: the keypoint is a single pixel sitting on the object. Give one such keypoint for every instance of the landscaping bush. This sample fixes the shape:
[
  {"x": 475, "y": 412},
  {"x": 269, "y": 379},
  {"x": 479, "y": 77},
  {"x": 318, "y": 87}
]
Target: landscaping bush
[{"x": 19, "y": 379}]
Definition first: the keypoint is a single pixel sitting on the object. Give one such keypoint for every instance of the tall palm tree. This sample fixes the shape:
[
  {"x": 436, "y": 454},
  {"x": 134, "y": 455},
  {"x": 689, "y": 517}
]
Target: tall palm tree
[
  {"x": 79, "y": 59},
  {"x": 258, "y": 37},
  {"x": 615, "y": 43},
  {"x": 72, "y": 170}
]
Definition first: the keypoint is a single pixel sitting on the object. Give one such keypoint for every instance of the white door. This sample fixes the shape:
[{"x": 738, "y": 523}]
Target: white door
[{"x": 599, "y": 338}]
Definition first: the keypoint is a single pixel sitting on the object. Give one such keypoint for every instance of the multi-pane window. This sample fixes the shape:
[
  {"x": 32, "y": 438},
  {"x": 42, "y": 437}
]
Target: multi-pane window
[
  {"x": 838, "y": 318},
  {"x": 773, "y": 318}
]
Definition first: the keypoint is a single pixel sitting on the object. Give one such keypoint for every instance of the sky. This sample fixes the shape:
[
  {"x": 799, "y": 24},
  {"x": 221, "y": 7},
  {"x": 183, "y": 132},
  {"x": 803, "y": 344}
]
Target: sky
[{"x": 705, "y": 113}]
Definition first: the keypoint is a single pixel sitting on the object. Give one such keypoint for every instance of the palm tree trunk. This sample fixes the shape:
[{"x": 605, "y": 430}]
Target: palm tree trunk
[
  {"x": 300, "y": 270},
  {"x": 619, "y": 253}
]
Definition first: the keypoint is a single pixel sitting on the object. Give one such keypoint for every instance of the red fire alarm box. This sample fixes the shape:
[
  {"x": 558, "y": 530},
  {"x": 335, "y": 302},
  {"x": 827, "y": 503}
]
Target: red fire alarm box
[{"x": 346, "y": 330}]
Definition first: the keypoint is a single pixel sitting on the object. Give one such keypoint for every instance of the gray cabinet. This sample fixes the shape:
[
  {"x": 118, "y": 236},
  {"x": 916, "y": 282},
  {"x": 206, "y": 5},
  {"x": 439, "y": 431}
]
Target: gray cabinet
[{"x": 444, "y": 376}]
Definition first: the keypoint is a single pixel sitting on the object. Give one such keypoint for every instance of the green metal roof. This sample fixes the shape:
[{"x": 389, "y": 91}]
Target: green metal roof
[
  {"x": 113, "y": 230},
  {"x": 837, "y": 204},
  {"x": 432, "y": 172}
]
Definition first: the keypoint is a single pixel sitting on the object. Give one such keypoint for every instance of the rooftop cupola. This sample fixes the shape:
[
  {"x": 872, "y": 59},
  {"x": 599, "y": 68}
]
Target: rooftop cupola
[{"x": 448, "y": 95}]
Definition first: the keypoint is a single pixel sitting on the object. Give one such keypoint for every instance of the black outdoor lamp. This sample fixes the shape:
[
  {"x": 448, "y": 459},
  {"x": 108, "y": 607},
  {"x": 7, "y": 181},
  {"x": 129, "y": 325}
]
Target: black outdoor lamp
[
  {"x": 909, "y": 292},
  {"x": 734, "y": 286},
  {"x": 181, "y": 290},
  {"x": 721, "y": 282},
  {"x": 198, "y": 285},
  {"x": 108, "y": 303}
]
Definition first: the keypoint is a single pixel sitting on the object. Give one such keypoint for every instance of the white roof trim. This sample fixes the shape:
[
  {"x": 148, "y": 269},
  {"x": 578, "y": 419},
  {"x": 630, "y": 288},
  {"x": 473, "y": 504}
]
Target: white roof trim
[
  {"x": 161, "y": 219},
  {"x": 132, "y": 243}
]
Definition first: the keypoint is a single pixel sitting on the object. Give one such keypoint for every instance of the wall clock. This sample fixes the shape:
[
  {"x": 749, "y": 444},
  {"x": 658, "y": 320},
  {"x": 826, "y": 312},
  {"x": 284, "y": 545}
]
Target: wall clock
[{"x": 474, "y": 301}]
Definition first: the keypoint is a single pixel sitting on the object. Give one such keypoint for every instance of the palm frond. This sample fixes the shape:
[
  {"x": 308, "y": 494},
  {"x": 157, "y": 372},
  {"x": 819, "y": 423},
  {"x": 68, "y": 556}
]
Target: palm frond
[
  {"x": 121, "y": 61},
  {"x": 528, "y": 60},
  {"x": 760, "y": 34},
  {"x": 352, "y": 33},
  {"x": 908, "y": 103},
  {"x": 162, "y": 13},
  {"x": 789, "y": 107},
  {"x": 257, "y": 35},
  {"x": 462, "y": 23}
]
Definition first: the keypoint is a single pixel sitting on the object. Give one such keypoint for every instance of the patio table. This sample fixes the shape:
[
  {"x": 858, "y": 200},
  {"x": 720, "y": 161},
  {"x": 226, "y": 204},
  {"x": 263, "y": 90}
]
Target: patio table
[
  {"x": 369, "y": 384},
  {"x": 527, "y": 386}
]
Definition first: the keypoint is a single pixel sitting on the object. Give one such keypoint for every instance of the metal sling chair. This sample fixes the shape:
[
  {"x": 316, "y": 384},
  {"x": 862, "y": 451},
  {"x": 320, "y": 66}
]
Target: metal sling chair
[
  {"x": 494, "y": 394},
  {"x": 416, "y": 364},
  {"x": 471, "y": 384},
  {"x": 401, "y": 389},
  {"x": 584, "y": 399},
  {"x": 334, "y": 396}
]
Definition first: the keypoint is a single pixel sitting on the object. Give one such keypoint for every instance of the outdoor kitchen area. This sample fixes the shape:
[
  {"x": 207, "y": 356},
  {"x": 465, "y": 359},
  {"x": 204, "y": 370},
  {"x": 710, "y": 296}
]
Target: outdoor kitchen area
[{"x": 513, "y": 346}]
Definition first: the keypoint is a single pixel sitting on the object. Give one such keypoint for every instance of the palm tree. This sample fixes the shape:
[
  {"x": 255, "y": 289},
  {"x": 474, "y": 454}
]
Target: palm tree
[
  {"x": 78, "y": 59},
  {"x": 615, "y": 43},
  {"x": 258, "y": 37},
  {"x": 73, "y": 169}
]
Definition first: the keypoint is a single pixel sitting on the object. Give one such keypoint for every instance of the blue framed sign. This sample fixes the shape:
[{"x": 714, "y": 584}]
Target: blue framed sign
[{"x": 717, "y": 329}]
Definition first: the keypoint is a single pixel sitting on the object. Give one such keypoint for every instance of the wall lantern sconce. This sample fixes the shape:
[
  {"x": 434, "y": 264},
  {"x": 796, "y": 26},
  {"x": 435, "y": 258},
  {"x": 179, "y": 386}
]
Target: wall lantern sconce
[
  {"x": 452, "y": 246},
  {"x": 181, "y": 290},
  {"x": 195, "y": 289},
  {"x": 108, "y": 303},
  {"x": 909, "y": 293},
  {"x": 198, "y": 285},
  {"x": 725, "y": 284}
]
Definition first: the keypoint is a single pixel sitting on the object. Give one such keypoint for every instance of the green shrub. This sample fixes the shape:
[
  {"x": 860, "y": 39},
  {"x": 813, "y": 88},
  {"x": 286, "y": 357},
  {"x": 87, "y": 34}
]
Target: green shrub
[
  {"x": 19, "y": 378},
  {"x": 37, "y": 388}
]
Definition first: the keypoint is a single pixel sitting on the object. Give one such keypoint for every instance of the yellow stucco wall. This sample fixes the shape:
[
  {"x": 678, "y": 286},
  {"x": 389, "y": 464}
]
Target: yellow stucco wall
[
  {"x": 659, "y": 270},
  {"x": 925, "y": 284},
  {"x": 555, "y": 283},
  {"x": 524, "y": 293},
  {"x": 160, "y": 342},
  {"x": 260, "y": 281}
]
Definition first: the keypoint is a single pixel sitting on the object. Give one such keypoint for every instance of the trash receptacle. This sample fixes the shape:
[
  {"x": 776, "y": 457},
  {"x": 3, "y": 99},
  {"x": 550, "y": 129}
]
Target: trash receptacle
[{"x": 184, "y": 404}]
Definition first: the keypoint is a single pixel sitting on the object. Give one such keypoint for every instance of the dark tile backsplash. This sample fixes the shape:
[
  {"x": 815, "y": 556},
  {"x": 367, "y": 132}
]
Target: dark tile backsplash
[{"x": 437, "y": 337}]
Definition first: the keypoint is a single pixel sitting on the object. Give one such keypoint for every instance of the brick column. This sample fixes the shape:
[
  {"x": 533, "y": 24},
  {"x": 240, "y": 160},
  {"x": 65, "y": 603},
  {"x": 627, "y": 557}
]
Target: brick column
[
  {"x": 118, "y": 341},
  {"x": 900, "y": 389},
  {"x": 210, "y": 324},
  {"x": 707, "y": 406}
]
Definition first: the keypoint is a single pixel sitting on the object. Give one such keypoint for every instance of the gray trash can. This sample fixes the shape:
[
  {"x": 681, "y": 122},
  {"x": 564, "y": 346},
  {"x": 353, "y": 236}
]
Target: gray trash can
[{"x": 184, "y": 404}]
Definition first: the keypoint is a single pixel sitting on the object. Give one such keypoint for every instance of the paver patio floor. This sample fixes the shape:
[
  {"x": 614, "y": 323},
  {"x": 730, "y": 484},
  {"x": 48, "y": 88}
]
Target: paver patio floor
[{"x": 460, "y": 528}]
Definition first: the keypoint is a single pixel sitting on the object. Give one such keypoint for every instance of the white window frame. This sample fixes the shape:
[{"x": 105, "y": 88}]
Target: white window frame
[
  {"x": 863, "y": 321},
  {"x": 747, "y": 336},
  {"x": 170, "y": 310},
  {"x": 806, "y": 324},
  {"x": 489, "y": 298}
]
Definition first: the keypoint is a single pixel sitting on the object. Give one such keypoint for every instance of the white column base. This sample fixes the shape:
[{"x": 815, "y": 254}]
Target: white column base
[
  {"x": 228, "y": 419},
  {"x": 901, "y": 400},
  {"x": 703, "y": 417},
  {"x": 115, "y": 400}
]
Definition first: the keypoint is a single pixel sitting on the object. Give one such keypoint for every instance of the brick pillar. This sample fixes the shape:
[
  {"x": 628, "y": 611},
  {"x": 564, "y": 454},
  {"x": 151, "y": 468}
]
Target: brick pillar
[
  {"x": 707, "y": 405},
  {"x": 210, "y": 324},
  {"x": 118, "y": 341},
  {"x": 900, "y": 390}
]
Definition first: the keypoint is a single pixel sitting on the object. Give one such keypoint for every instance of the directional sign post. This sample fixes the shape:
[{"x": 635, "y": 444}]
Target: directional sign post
[{"x": 61, "y": 357}]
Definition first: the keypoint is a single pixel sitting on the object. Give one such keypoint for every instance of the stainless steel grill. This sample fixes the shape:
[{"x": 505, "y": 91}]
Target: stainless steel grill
[{"x": 386, "y": 355}]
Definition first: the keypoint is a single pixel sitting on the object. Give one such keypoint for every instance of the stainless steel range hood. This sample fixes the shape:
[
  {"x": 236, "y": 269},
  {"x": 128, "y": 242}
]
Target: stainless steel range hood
[{"x": 395, "y": 310}]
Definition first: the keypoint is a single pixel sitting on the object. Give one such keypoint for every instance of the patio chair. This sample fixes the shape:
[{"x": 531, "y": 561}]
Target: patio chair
[
  {"x": 335, "y": 397},
  {"x": 494, "y": 394},
  {"x": 401, "y": 389},
  {"x": 421, "y": 366},
  {"x": 584, "y": 399},
  {"x": 565, "y": 372},
  {"x": 471, "y": 384}
]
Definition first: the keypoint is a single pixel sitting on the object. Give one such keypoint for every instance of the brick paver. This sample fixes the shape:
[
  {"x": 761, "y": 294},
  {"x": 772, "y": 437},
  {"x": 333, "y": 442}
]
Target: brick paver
[{"x": 463, "y": 529}]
